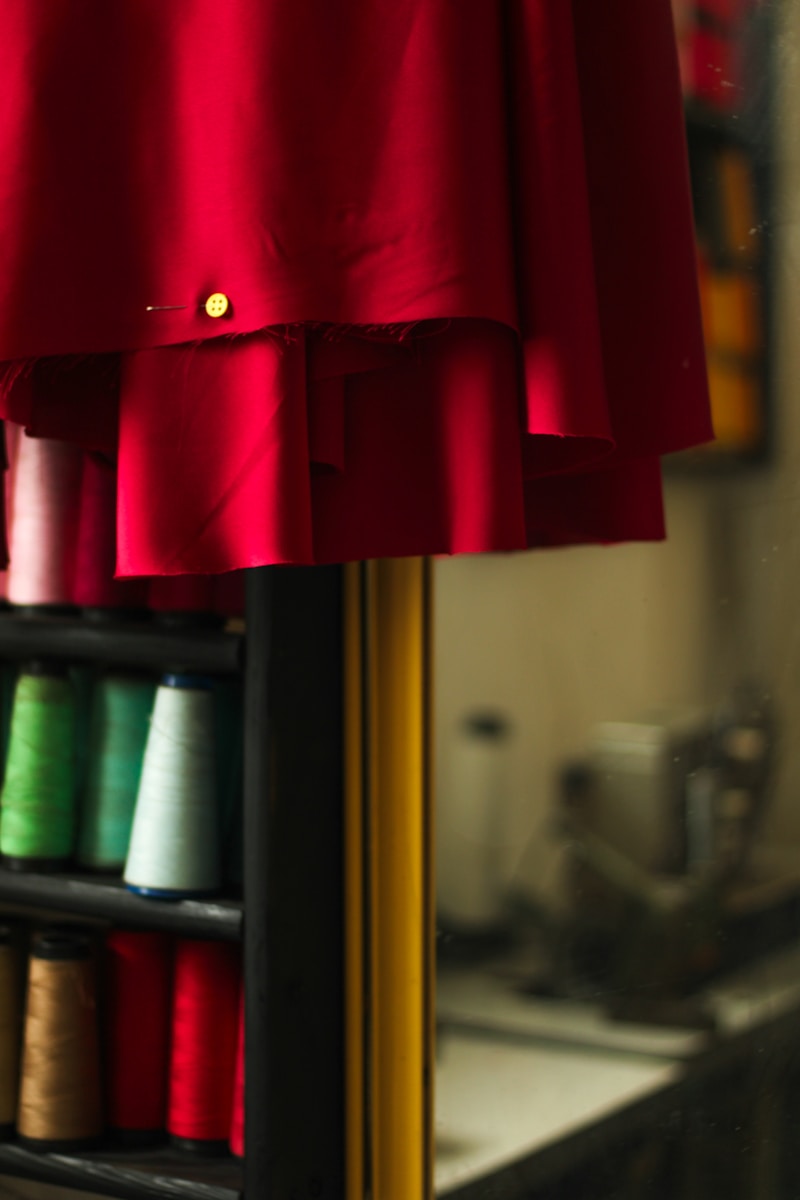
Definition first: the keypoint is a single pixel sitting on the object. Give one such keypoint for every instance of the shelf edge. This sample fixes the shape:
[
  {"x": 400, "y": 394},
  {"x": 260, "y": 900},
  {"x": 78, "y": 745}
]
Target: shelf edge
[
  {"x": 104, "y": 1178},
  {"x": 96, "y": 899}
]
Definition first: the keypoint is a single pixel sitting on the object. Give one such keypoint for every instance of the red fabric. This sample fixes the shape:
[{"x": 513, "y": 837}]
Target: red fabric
[{"x": 456, "y": 239}]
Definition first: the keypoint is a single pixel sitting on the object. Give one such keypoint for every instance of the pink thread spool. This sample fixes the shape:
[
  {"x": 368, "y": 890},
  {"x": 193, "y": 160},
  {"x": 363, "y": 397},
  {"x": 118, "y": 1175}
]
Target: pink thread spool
[
  {"x": 46, "y": 501},
  {"x": 12, "y": 435}
]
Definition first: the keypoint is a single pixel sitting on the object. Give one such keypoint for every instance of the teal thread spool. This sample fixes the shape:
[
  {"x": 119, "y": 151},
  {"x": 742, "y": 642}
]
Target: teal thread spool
[
  {"x": 120, "y": 720},
  {"x": 37, "y": 805}
]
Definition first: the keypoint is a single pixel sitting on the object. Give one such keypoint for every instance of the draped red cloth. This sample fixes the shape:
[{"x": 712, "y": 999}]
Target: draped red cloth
[{"x": 456, "y": 240}]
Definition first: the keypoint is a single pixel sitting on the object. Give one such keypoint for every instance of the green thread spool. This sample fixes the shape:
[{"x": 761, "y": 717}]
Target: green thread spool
[
  {"x": 8, "y": 685},
  {"x": 120, "y": 722},
  {"x": 37, "y": 805},
  {"x": 82, "y": 680}
]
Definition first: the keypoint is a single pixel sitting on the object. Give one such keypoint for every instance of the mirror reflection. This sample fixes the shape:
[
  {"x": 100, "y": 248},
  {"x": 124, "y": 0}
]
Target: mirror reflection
[{"x": 618, "y": 833}]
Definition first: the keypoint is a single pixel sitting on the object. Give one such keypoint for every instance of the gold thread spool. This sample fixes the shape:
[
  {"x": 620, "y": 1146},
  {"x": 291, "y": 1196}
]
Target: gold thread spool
[
  {"x": 10, "y": 1029},
  {"x": 60, "y": 1103}
]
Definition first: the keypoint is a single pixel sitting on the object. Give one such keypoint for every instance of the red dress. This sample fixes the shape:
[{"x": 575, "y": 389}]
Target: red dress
[{"x": 455, "y": 241}]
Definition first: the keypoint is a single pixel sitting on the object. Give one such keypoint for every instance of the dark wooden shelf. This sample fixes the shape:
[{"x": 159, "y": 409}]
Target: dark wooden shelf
[
  {"x": 106, "y": 898},
  {"x": 146, "y": 1175},
  {"x": 120, "y": 643}
]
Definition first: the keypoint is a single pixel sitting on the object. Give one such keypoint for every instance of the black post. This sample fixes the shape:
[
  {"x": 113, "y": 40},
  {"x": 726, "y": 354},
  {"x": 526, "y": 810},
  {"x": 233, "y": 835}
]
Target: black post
[
  {"x": 259, "y": 1016},
  {"x": 293, "y": 889}
]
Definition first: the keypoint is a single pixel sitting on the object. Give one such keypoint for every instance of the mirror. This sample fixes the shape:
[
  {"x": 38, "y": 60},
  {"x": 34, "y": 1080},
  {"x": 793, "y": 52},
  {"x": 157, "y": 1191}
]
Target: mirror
[{"x": 618, "y": 832}]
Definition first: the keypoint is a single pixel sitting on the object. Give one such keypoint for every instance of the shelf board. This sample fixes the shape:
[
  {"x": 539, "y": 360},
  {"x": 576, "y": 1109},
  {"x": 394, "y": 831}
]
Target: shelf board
[
  {"x": 144, "y": 1175},
  {"x": 120, "y": 643},
  {"x": 107, "y": 898}
]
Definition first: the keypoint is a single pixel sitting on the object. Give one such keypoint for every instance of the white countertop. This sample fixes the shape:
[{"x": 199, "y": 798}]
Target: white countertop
[
  {"x": 497, "y": 1102},
  {"x": 516, "y": 1074},
  {"x": 480, "y": 1001}
]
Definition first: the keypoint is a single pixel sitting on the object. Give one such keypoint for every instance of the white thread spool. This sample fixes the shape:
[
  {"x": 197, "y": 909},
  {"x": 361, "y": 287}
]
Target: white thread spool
[
  {"x": 174, "y": 847},
  {"x": 472, "y": 829},
  {"x": 45, "y": 520}
]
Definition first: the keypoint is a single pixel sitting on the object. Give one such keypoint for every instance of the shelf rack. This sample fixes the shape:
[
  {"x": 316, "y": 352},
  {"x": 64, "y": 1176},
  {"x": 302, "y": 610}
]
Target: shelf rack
[
  {"x": 153, "y": 1175},
  {"x": 120, "y": 643},
  {"x": 107, "y": 898},
  {"x": 291, "y": 918}
]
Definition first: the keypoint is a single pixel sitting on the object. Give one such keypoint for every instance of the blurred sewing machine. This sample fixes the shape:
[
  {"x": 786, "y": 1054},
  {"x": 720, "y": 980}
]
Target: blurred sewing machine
[{"x": 659, "y": 821}]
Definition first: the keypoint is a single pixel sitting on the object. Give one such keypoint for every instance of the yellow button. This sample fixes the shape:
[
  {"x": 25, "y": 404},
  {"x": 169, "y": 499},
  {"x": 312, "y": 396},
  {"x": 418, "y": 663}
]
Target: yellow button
[{"x": 217, "y": 304}]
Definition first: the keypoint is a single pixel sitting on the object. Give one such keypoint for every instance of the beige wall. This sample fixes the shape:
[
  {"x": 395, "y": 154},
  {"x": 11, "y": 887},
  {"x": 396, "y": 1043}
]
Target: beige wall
[{"x": 560, "y": 640}]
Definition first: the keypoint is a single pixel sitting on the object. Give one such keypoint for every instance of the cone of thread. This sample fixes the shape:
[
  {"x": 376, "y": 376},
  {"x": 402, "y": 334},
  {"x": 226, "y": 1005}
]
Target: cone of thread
[
  {"x": 120, "y": 722},
  {"x": 43, "y": 531},
  {"x": 8, "y": 685},
  {"x": 138, "y": 997},
  {"x": 82, "y": 679},
  {"x": 94, "y": 585},
  {"x": 60, "y": 1104},
  {"x": 37, "y": 803},
  {"x": 174, "y": 847},
  {"x": 205, "y": 1026},
  {"x": 12, "y": 435},
  {"x": 178, "y": 594},
  {"x": 10, "y": 1029},
  {"x": 237, "y": 1106}
]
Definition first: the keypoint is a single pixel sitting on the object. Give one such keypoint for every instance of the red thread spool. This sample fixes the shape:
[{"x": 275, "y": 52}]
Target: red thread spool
[
  {"x": 179, "y": 595},
  {"x": 237, "y": 1108},
  {"x": 205, "y": 1018},
  {"x": 229, "y": 594},
  {"x": 94, "y": 585},
  {"x": 138, "y": 982}
]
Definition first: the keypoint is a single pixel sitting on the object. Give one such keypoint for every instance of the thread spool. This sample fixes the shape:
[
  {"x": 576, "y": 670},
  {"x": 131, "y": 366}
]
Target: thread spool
[
  {"x": 60, "y": 1105},
  {"x": 82, "y": 679},
  {"x": 94, "y": 586},
  {"x": 174, "y": 846},
  {"x": 37, "y": 803},
  {"x": 237, "y": 1105},
  {"x": 138, "y": 996},
  {"x": 8, "y": 685},
  {"x": 119, "y": 725},
  {"x": 229, "y": 594},
  {"x": 473, "y": 809},
  {"x": 204, "y": 1042},
  {"x": 45, "y": 521},
  {"x": 10, "y": 1029},
  {"x": 183, "y": 600},
  {"x": 11, "y": 433}
]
